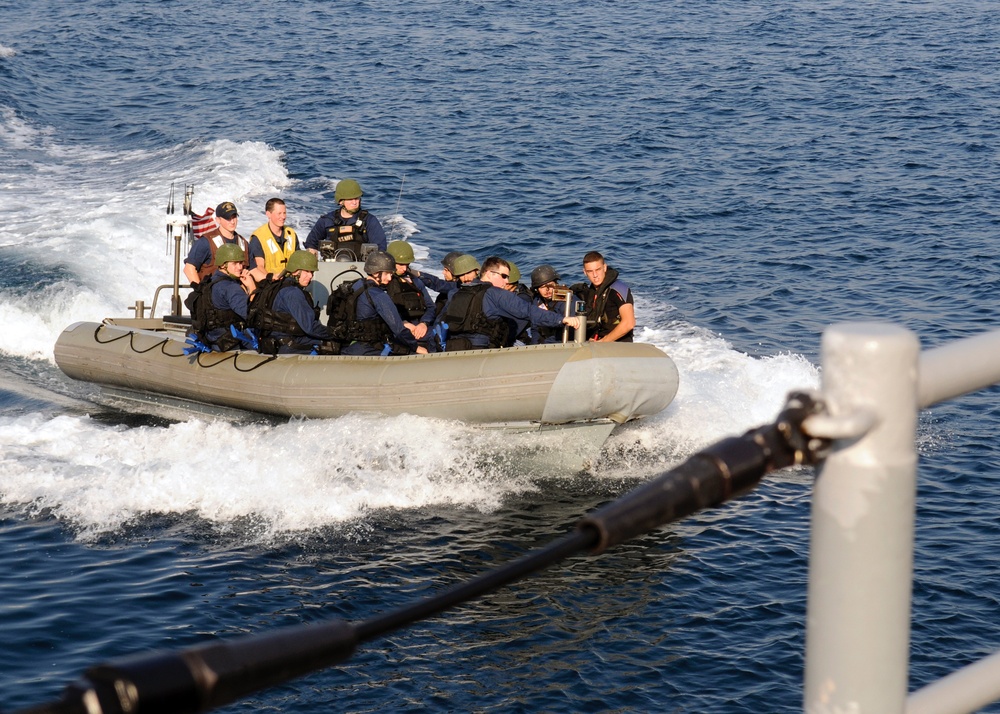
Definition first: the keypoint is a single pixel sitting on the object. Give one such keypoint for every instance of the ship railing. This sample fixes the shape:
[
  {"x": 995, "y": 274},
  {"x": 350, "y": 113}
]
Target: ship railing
[{"x": 875, "y": 379}]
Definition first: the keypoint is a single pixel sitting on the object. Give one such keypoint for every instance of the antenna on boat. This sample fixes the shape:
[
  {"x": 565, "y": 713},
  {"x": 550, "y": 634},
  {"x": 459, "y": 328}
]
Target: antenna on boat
[
  {"x": 170, "y": 211},
  {"x": 188, "y": 212},
  {"x": 399, "y": 199},
  {"x": 178, "y": 229}
]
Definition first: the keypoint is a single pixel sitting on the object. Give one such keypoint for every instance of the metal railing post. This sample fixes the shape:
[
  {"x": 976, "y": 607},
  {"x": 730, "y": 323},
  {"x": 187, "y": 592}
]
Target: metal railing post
[{"x": 861, "y": 551}]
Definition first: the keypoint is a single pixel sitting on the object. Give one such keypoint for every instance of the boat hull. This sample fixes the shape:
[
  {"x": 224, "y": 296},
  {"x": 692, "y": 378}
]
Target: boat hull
[{"x": 547, "y": 384}]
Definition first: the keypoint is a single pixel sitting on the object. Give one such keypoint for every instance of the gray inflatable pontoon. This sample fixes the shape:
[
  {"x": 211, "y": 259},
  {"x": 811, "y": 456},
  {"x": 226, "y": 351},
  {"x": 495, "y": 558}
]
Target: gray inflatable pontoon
[{"x": 547, "y": 384}]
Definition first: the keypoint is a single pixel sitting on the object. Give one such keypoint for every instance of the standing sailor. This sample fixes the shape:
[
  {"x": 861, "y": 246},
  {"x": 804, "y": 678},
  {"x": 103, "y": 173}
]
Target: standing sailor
[
  {"x": 347, "y": 227},
  {"x": 200, "y": 262},
  {"x": 273, "y": 243}
]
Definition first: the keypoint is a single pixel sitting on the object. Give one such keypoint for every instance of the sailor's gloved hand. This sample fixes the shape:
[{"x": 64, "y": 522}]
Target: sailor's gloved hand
[{"x": 196, "y": 345}]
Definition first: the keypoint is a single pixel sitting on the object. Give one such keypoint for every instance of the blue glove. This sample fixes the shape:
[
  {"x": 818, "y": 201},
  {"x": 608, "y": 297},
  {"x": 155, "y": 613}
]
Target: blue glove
[
  {"x": 246, "y": 337},
  {"x": 196, "y": 345},
  {"x": 441, "y": 332}
]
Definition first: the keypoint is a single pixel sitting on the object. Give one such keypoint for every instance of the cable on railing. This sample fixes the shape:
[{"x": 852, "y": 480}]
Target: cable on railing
[{"x": 203, "y": 677}]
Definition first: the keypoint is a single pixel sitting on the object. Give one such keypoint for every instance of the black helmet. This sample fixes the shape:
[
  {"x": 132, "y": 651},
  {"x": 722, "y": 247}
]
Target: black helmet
[
  {"x": 543, "y": 274},
  {"x": 380, "y": 262}
]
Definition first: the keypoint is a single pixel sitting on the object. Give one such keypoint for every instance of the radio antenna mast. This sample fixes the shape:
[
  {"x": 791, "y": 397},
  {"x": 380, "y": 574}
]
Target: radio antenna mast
[{"x": 400, "y": 198}]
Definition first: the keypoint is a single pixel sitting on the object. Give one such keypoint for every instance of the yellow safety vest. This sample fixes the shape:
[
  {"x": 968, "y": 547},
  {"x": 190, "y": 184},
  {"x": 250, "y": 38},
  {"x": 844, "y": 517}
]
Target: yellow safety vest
[{"x": 274, "y": 257}]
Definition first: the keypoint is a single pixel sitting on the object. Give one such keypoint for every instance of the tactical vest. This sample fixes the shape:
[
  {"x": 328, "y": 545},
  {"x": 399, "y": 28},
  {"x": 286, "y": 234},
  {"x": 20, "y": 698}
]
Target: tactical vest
[
  {"x": 600, "y": 317},
  {"x": 216, "y": 241},
  {"x": 343, "y": 322},
  {"x": 265, "y": 320},
  {"x": 464, "y": 314},
  {"x": 276, "y": 256},
  {"x": 349, "y": 237},
  {"x": 546, "y": 334},
  {"x": 407, "y": 298},
  {"x": 205, "y": 316}
]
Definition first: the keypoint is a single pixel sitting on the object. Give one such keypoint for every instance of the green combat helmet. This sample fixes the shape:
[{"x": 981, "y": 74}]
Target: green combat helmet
[
  {"x": 401, "y": 251},
  {"x": 544, "y": 273},
  {"x": 464, "y": 264},
  {"x": 380, "y": 263},
  {"x": 229, "y": 253},
  {"x": 301, "y": 260},
  {"x": 514, "y": 275},
  {"x": 449, "y": 260},
  {"x": 347, "y": 188}
]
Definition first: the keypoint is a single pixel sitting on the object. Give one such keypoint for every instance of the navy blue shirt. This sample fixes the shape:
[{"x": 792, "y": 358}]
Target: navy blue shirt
[
  {"x": 293, "y": 301},
  {"x": 502, "y": 304},
  {"x": 374, "y": 229},
  {"x": 227, "y": 294},
  {"x": 375, "y": 302}
]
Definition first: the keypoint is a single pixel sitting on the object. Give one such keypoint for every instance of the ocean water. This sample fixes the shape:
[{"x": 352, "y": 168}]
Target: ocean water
[{"x": 756, "y": 171}]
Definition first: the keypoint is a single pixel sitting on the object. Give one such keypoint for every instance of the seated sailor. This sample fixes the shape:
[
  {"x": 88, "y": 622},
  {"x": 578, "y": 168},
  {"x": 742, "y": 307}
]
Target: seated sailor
[
  {"x": 543, "y": 284},
  {"x": 368, "y": 319},
  {"x": 410, "y": 295},
  {"x": 222, "y": 301},
  {"x": 283, "y": 313},
  {"x": 442, "y": 286},
  {"x": 515, "y": 285},
  {"x": 477, "y": 313}
]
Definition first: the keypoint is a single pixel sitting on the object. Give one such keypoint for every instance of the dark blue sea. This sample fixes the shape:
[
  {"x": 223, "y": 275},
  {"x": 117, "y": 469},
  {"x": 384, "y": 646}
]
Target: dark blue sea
[{"x": 756, "y": 171}]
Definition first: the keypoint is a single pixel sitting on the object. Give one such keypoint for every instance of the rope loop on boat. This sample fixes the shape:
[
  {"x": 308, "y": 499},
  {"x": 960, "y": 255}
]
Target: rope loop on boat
[
  {"x": 233, "y": 356},
  {"x": 162, "y": 344},
  {"x": 131, "y": 342}
]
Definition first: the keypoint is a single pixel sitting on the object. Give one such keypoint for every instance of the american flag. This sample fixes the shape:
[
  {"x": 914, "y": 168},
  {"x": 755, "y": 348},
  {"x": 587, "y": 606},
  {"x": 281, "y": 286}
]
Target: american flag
[{"x": 204, "y": 223}]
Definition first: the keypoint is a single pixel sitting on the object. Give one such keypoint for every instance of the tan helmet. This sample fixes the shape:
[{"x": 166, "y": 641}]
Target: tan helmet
[
  {"x": 301, "y": 260},
  {"x": 514, "y": 275},
  {"x": 401, "y": 251},
  {"x": 347, "y": 188}
]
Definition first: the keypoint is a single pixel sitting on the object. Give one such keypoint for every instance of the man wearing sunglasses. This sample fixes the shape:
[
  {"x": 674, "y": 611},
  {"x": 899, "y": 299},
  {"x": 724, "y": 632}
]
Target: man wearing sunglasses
[{"x": 482, "y": 313}]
